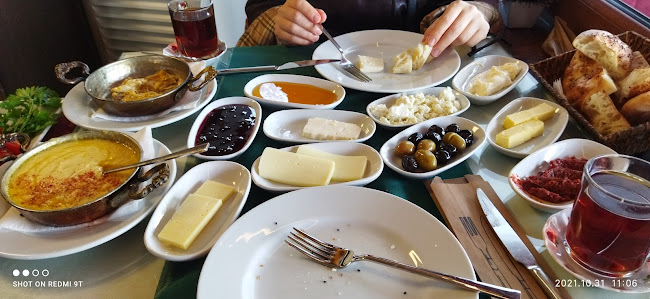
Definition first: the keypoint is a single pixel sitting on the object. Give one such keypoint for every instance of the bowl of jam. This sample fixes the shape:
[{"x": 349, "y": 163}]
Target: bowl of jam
[{"x": 229, "y": 125}]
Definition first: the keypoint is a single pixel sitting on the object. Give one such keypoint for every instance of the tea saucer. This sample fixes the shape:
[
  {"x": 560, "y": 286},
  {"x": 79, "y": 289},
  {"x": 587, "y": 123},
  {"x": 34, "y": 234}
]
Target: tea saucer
[
  {"x": 170, "y": 51},
  {"x": 554, "y": 238}
]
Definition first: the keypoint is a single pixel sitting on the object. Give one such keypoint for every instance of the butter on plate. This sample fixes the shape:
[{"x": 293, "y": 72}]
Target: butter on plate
[{"x": 495, "y": 79}]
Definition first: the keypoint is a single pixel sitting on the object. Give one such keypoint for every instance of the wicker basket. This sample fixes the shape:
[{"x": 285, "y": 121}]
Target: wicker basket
[{"x": 631, "y": 141}]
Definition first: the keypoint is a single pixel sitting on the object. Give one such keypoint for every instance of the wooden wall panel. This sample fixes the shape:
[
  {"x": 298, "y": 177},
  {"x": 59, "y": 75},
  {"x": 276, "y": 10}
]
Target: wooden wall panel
[{"x": 582, "y": 15}]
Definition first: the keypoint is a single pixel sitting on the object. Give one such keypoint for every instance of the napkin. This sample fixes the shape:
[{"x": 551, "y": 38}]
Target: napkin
[
  {"x": 559, "y": 40},
  {"x": 191, "y": 99},
  {"x": 13, "y": 221}
]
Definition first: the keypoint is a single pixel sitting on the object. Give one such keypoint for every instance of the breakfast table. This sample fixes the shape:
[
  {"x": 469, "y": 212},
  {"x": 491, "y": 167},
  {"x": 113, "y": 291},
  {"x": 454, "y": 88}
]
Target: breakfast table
[{"x": 123, "y": 267}]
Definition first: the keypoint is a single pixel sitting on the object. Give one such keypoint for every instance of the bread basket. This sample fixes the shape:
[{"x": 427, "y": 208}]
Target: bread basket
[{"x": 631, "y": 141}]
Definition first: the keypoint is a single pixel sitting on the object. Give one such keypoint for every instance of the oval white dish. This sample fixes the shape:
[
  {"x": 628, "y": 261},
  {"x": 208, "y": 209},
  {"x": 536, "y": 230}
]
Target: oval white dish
[
  {"x": 391, "y": 99},
  {"x": 539, "y": 161},
  {"x": 482, "y": 64},
  {"x": 287, "y": 125},
  {"x": 191, "y": 137},
  {"x": 373, "y": 169},
  {"x": 328, "y": 85},
  {"x": 553, "y": 127},
  {"x": 387, "y": 151},
  {"x": 225, "y": 172}
]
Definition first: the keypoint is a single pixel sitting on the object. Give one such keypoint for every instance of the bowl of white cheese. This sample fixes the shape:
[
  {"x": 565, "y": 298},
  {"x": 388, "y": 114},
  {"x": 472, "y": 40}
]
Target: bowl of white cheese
[{"x": 489, "y": 78}]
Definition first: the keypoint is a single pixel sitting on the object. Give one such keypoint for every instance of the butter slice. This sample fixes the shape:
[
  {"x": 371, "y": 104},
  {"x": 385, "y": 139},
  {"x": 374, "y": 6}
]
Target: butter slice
[
  {"x": 542, "y": 111},
  {"x": 188, "y": 220},
  {"x": 369, "y": 64},
  {"x": 327, "y": 129},
  {"x": 520, "y": 133},
  {"x": 294, "y": 169},
  {"x": 494, "y": 80},
  {"x": 215, "y": 190},
  {"x": 347, "y": 168}
]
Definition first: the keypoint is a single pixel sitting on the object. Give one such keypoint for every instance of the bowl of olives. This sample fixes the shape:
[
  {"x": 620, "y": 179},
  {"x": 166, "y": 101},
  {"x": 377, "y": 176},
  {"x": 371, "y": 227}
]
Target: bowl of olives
[{"x": 426, "y": 149}]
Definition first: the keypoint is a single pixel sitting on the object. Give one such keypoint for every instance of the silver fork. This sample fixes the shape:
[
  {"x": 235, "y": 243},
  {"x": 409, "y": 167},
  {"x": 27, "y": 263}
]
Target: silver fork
[
  {"x": 338, "y": 257},
  {"x": 345, "y": 63}
]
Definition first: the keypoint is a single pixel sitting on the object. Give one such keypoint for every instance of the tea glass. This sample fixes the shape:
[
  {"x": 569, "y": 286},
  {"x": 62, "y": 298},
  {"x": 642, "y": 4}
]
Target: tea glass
[{"x": 195, "y": 28}]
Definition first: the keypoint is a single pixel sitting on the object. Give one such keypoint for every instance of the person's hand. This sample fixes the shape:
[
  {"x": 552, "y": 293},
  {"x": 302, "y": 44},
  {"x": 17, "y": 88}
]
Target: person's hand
[
  {"x": 461, "y": 23},
  {"x": 297, "y": 23}
]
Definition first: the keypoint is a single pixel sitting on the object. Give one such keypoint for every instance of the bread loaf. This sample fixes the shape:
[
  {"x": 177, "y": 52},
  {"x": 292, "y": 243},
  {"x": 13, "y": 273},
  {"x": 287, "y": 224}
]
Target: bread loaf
[
  {"x": 607, "y": 49},
  {"x": 637, "y": 110},
  {"x": 584, "y": 77},
  {"x": 634, "y": 84},
  {"x": 603, "y": 115}
]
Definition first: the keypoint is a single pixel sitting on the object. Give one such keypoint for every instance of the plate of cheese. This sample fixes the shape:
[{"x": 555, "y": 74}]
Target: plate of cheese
[
  {"x": 316, "y": 164},
  {"x": 489, "y": 78},
  {"x": 526, "y": 125},
  {"x": 197, "y": 210},
  {"x": 308, "y": 126}
]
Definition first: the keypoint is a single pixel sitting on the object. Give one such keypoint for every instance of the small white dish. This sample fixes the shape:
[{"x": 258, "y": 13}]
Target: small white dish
[
  {"x": 553, "y": 127},
  {"x": 287, "y": 125},
  {"x": 172, "y": 52},
  {"x": 387, "y": 151},
  {"x": 225, "y": 172},
  {"x": 373, "y": 169},
  {"x": 539, "y": 160},
  {"x": 327, "y": 85},
  {"x": 464, "y": 77},
  {"x": 391, "y": 99},
  {"x": 191, "y": 138}
]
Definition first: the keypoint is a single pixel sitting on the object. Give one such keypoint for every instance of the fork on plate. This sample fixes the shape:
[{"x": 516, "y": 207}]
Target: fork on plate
[
  {"x": 346, "y": 64},
  {"x": 338, "y": 257}
]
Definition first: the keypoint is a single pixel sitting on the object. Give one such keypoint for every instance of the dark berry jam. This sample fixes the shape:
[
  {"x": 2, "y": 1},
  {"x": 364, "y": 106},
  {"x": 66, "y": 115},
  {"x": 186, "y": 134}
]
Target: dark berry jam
[{"x": 227, "y": 129}]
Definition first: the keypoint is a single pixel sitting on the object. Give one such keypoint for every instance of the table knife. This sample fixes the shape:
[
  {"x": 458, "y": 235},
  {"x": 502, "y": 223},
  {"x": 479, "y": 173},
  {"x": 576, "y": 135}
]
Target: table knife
[
  {"x": 515, "y": 245},
  {"x": 286, "y": 66}
]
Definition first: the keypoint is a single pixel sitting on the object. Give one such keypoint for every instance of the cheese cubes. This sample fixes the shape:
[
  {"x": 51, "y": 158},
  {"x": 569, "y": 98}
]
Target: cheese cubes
[
  {"x": 369, "y": 64},
  {"x": 327, "y": 129},
  {"x": 194, "y": 214}
]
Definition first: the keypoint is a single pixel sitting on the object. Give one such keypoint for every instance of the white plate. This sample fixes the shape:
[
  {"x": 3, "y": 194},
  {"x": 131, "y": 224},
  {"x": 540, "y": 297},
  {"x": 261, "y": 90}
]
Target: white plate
[
  {"x": 168, "y": 51},
  {"x": 387, "y": 151},
  {"x": 34, "y": 246},
  {"x": 287, "y": 125},
  {"x": 553, "y": 127},
  {"x": 191, "y": 137},
  {"x": 479, "y": 65},
  {"x": 78, "y": 107},
  {"x": 324, "y": 84},
  {"x": 373, "y": 169},
  {"x": 390, "y": 100},
  {"x": 251, "y": 260},
  {"x": 385, "y": 44},
  {"x": 225, "y": 172},
  {"x": 538, "y": 162}
]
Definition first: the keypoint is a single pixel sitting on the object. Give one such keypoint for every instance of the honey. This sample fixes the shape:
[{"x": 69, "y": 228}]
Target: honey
[{"x": 303, "y": 93}]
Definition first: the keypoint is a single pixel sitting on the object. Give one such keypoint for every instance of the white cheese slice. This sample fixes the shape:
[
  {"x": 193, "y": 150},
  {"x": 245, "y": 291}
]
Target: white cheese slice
[
  {"x": 403, "y": 63},
  {"x": 420, "y": 54},
  {"x": 347, "y": 168},
  {"x": 294, "y": 169},
  {"x": 327, "y": 129},
  {"x": 369, "y": 64},
  {"x": 188, "y": 220},
  {"x": 215, "y": 190}
]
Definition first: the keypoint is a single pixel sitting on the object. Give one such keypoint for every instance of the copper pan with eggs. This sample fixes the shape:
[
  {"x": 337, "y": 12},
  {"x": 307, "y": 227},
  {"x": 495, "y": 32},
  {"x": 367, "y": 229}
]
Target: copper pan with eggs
[
  {"x": 61, "y": 182},
  {"x": 158, "y": 82}
]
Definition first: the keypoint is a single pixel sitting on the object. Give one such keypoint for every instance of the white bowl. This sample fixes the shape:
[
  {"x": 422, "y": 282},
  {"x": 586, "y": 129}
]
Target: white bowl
[
  {"x": 539, "y": 160},
  {"x": 553, "y": 127},
  {"x": 391, "y": 99},
  {"x": 191, "y": 138},
  {"x": 328, "y": 85},
  {"x": 394, "y": 162},
  {"x": 225, "y": 172},
  {"x": 287, "y": 125},
  {"x": 479, "y": 65},
  {"x": 373, "y": 169}
]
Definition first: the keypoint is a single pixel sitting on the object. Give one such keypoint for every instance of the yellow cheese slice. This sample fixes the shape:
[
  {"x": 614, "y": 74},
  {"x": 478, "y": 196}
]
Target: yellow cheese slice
[
  {"x": 294, "y": 169},
  {"x": 215, "y": 190},
  {"x": 188, "y": 220},
  {"x": 542, "y": 111},
  {"x": 520, "y": 133},
  {"x": 347, "y": 168}
]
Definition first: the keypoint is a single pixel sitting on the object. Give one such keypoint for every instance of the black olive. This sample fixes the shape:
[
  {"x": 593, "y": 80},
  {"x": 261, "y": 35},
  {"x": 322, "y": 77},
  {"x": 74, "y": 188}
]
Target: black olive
[
  {"x": 438, "y": 129},
  {"x": 434, "y": 136},
  {"x": 442, "y": 156},
  {"x": 469, "y": 141},
  {"x": 465, "y": 134},
  {"x": 449, "y": 148},
  {"x": 409, "y": 164},
  {"x": 453, "y": 128},
  {"x": 415, "y": 138}
]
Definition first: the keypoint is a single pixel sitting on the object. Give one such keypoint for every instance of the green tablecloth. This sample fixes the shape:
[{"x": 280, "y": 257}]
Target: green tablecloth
[{"x": 180, "y": 279}]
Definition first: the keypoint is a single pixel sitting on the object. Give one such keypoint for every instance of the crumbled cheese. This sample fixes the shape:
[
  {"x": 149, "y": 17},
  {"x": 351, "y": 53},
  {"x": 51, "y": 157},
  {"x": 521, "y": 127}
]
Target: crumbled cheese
[{"x": 411, "y": 109}]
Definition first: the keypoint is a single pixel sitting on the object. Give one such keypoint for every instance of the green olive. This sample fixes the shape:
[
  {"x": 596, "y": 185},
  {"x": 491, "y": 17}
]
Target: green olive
[
  {"x": 427, "y": 144},
  {"x": 426, "y": 160},
  {"x": 404, "y": 148},
  {"x": 457, "y": 141},
  {"x": 447, "y": 137}
]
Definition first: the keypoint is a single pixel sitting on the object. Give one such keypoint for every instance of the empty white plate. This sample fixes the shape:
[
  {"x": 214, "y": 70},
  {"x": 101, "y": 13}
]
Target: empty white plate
[
  {"x": 225, "y": 172},
  {"x": 324, "y": 84},
  {"x": 479, "y": 65},
  {"x": 553, "y": 127},
  {"x": 287, "y": 125},
  {"x": 373, "y": 168}
]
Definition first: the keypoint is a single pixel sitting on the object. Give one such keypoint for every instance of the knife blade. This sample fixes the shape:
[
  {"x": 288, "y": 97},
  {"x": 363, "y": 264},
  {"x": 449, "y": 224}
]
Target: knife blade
[
  {"x": 286, "y": 66},
  {"x": 514, "y": 244}
]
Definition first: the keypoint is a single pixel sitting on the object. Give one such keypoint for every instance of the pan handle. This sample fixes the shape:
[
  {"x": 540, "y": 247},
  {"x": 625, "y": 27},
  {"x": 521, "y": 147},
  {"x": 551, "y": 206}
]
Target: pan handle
[
  {"x": 159, "y": 175},
  {"x": 62, "y": 69},
  {"x": 210, "y": 73}
]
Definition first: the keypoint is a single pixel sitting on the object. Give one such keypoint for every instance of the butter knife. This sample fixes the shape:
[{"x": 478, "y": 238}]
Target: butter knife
[
  {"x": 515, "y": 245},
  {"x": 286, "y": 66}
]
